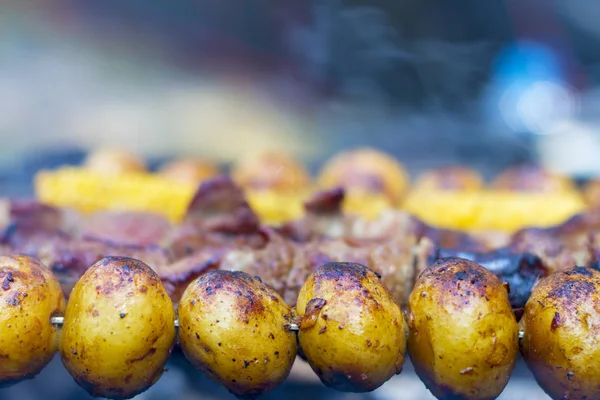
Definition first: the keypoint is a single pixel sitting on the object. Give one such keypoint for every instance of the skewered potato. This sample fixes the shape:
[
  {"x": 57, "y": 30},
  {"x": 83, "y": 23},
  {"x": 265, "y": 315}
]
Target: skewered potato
[
  {"x": 366, "y": 170},
  {"x": 532, "y": 178},
  {"x": 561, "y": 333},
  {"x": 449, "y": 178},
  {"x": 271, "y": 171},
  {"x": 352, "y": 333},
  {"x": 463, "y": 335},
  {"x": 188, "y": 170},
  {"x": 30, "y": 296},
  {"x": 591, "y": 193},
  {"x": 119, "y": 328},
  {"x": 234, "y": 328},
  {"x": 114, "y": 161}
]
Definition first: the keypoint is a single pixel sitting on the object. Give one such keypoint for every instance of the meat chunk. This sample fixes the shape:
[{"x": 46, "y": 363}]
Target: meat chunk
[{"x": 129, "y": 228}]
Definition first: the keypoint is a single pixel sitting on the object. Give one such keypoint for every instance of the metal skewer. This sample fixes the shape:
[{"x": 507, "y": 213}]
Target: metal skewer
[{"x": 59, "y": 321}]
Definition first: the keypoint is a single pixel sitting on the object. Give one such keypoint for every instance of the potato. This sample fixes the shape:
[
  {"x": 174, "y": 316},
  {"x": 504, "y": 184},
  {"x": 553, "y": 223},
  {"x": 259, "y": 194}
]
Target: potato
[
  {"x": 114, "y": 161},
  {"x": 119, "y": 328},
  {"x": 454, "y": 177},
  {"x": 352, "y": 332},
  {"x": 30, "y": 295},
  {"x": 271, "y": 170},
  {"x": 188, "y": 170},
  {"x": 366, "y": 171},
  {"x": 234, "y": 328},
  {"x": 463, "y": 335},
  {"x": 561, "y": 326}
]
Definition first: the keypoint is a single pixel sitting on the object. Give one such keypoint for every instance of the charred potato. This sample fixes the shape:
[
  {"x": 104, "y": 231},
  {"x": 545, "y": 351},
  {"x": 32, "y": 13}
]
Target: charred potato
[
  {"x": 271, "y": 171},
  {"x": 561, "y": 327},
  {"x": 364, "y": 171},
  {"x": 463, "y": 335},
  {"x": 352, "y": 331},
  {"x": 233, "y": 328},
  {"x": 119, "y": 328},
  {"x": 30, "y": 296}
]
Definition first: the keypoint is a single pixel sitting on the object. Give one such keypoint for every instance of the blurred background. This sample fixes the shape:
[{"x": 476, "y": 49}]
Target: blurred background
[{"x": 481, "y": 83}]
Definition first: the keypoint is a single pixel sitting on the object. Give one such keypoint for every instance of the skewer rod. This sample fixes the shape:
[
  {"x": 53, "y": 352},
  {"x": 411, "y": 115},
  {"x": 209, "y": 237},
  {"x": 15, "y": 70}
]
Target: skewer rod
[{"x": 59, "y": 321}]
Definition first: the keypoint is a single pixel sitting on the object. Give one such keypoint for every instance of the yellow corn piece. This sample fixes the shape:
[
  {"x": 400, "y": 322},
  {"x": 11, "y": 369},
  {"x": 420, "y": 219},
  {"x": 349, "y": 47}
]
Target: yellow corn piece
[
  {"x": 89, "y": 191},
  {"x": 493, "y": 210}
]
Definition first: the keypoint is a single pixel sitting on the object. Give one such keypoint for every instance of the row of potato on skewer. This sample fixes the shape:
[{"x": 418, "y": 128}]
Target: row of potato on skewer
[
  {"x": 364, "y": 169},
  {"x": 120, "y": 326}
]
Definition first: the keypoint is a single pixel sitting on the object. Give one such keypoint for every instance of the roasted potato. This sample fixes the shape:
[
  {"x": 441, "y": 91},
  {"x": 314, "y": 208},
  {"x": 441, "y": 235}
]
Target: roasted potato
[
  {"x": 365, "y": 170},
  {"x": 561, "y": 326},
  {"x": 352, "y": 332},
  {"x": 234, "y": 328},
  {"x": 463, "y": 335},
  {"x": 591, "y": 193},
  {"x": 188, "y": 170},
  {"x": 119, "y": 328},
  {"x": 30, "y": 296},
  {"x": 114, "y": 161},
  {"x": 532, "y": 178},
  {"x": 271, "y": 170},
  {"x": 455, "y": 178}
]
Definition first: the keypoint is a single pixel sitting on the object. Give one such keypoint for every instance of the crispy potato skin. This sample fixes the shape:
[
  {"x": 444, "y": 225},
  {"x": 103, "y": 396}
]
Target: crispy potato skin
[
  {"x": 29, "y": 296},
  {"x": 562, "y": 331},
  {"x": 119, "y": 328},
  {"x": 463, "y": 336},
  {"x": 352, "y": 333},
  {"x": 233, "y": 328}
]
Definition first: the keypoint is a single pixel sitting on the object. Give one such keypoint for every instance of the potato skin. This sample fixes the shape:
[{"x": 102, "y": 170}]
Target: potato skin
[
  {"x": 29, "y": 296},
  {"x": 119, "y": 328},
  {"x": 463, "y": 335},
  {"x": 561, "y": 326},
  {"x": 352, "y": 333},
  {"x": 234, "y": 328}
]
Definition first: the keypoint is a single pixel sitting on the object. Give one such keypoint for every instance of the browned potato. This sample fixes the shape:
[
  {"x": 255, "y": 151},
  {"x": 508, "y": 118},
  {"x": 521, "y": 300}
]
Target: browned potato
[
  {"x": 532, "y": 178},
  {"x": 114, "y": 161},
  {"x": 352, "y": 332},
  {"x": 271, "y": 171},
  {"x": 591, "y": 193},
  {"x": 561, "y": 333},
  {"x": 30, "y": 296},
  {"x": 188, "y": 170},
  {"x": 366, "y": 170},
  {"x": 234, "y": 328},
  {"x": 463, "y": 335},
  {"x": 449, "y": 178},
  {"x": 119, "y": 328}
]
